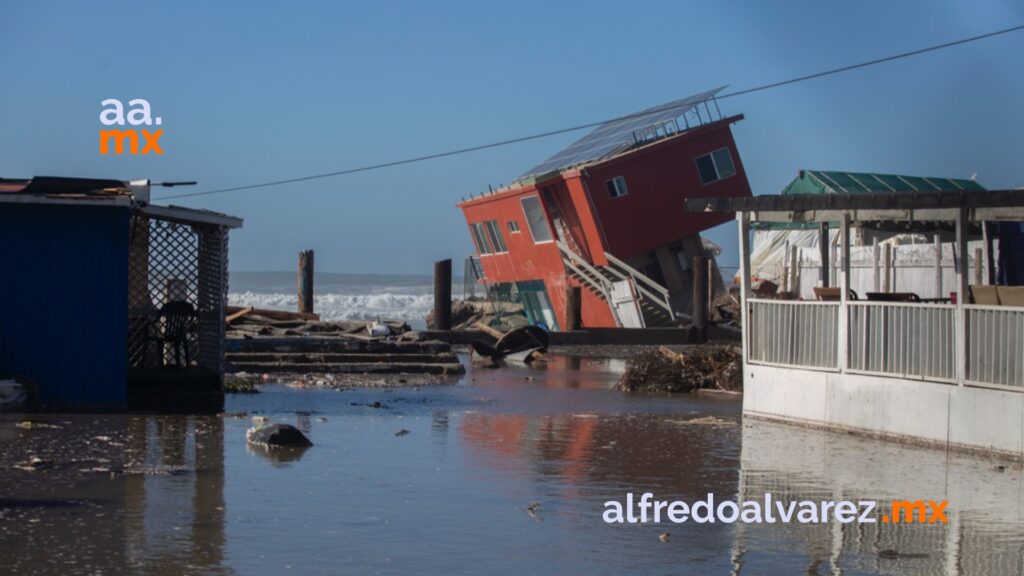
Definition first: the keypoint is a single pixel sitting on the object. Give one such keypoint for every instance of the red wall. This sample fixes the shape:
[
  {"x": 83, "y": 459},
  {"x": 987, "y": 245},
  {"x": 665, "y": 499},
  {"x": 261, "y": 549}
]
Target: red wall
[
  {"x": 659, "y": 178},
  {"x": 528, "y": 261}
]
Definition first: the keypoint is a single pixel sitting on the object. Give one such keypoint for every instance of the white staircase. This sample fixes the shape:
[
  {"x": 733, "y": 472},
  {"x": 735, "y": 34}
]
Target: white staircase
[{"x": 651, "y": 298}]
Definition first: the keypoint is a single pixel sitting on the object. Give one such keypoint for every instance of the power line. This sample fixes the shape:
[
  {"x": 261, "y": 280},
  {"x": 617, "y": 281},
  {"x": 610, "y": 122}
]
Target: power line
[{"x": 458, "y": 151}]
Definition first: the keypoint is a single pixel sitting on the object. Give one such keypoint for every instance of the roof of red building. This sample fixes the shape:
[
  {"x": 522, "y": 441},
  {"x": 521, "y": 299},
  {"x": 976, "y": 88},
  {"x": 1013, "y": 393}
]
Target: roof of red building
[{"x": 628, "y": 132}]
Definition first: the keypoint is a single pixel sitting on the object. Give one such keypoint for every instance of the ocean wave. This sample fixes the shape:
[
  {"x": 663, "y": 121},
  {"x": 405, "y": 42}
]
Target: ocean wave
[{"x": 412, "y": 308}]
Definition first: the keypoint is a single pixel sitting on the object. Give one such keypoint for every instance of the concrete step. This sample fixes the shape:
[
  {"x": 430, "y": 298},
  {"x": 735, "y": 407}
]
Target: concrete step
[
  {"x": 335, "y": 346},
  {"x": 340, "y": 358},
  {"x": 349, "y": 368}
]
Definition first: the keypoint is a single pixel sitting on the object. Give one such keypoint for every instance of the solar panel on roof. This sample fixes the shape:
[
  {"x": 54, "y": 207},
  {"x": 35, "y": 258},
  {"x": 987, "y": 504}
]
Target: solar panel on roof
[{"x": 620, "y": 134}]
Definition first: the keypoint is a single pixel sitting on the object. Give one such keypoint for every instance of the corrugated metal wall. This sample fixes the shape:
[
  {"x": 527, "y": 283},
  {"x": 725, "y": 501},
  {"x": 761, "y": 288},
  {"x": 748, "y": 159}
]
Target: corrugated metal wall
[{"x": 63, "y": 302}]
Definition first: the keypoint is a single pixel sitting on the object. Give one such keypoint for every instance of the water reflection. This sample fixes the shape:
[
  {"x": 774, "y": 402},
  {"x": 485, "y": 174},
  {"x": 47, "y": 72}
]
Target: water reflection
[
  {"x": 985, "y": 533},
  {"x": 457, "y": 492}
]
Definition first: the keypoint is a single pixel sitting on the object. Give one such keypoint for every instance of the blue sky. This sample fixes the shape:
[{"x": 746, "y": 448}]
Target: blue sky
[{"x": 257, "y": 91}]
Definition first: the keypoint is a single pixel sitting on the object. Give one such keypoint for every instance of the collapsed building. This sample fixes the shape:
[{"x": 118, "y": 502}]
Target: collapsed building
[{"x": 606, "y": 214}]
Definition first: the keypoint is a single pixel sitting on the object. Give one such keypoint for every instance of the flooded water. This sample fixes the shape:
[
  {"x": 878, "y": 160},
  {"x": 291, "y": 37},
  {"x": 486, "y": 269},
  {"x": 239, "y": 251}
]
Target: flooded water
[{"x": 506, "y": 472}]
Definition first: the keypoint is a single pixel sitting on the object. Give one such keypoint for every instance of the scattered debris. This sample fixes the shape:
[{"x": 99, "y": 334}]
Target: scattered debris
[
  {"x": 402, "y": 432},
  {"x": 889, "y": 553},
  {"x": 28, "y": 425},
  {"x": 260, "y": 420},
  {"x": 714, "y": 367},
  {"x": 532, "y": 509},
  {"x": 34, "y": 463},
  {"x": 277, "y": 436},
  {"x": 525, "y": 345},
  {"x": 12, "y": 395},
  {"x": 256, "y": 322},
  {"x": 239, "y": 385},
  {"x": 467, "y": 313},
  {"x": 705, "y": 421},
  {"x": 665, "y": 536}
]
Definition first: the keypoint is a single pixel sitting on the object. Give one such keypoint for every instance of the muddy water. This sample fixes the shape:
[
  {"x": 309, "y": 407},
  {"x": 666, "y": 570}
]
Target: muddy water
[{"x": 186, "y": 495}]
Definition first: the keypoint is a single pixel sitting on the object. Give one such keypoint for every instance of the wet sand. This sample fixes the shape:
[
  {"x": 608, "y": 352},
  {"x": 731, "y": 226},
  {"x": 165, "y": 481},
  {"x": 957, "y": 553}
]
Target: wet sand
[{"x": 505, "y": 472}]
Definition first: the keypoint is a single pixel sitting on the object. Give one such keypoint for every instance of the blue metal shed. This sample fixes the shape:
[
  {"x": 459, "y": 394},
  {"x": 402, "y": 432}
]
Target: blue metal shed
[
  {"x": 63, "y": 319},
  {"x": 84, "y": 268}
]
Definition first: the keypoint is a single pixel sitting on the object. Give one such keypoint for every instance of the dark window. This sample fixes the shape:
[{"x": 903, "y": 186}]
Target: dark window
[
  {"x": 715, "y": 166},
  {"x": 513, "y": 227},
  {"x": 706, "y": 167},
  {"x": 617, "y": 187}
]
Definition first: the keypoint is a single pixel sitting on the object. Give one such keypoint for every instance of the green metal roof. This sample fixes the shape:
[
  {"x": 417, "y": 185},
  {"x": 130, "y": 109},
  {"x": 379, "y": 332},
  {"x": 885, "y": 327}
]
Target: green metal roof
[{"x": 824, "y": 182}]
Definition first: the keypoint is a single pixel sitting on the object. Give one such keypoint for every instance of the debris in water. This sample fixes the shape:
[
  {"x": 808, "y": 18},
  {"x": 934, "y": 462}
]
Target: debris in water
[
  {"x": 532, "y": 509},
  {"x": 29, "y": 425},
  {"x": 401, "y": 432},
  {"x": 704, "y": 420},
  {"x": 277, "y": 436},
  {"x": 664, "y": 537},
  {"x": 34, "y": 463},
  {"x": 714, "y": 367}
]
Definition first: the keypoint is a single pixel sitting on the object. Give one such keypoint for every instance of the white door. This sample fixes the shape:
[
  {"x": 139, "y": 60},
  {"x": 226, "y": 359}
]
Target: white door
[{"x": 626, "y": 305}]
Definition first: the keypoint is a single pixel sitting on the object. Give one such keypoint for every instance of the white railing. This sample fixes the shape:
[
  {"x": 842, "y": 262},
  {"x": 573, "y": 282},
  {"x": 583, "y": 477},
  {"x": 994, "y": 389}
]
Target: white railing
[
  {"x": 909, "y": 340},
  {"x": 647, "y": 287},
  {"x": 792, "y": 333},
  {"x": 995, "y": 345}
]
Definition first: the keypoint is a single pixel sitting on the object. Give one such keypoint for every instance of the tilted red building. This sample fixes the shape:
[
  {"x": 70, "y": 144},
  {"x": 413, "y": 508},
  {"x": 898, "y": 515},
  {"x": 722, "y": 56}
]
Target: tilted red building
[{"x": 607, "y": 214}]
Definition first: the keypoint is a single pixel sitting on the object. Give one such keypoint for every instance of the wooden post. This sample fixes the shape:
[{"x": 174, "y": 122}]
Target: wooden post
[
  {"x": 443, "y": 295},
  {"x": 573, "y": 308},
  {"x": 887, "y": 279},
  {"x": 844, "y": 292},
  {"x": 711, "y": 285},
  {"x": 823, "y": 252},
  {"x": 794, "y": 272},
  {"x": 700, "y": 297},
  {"x": 978, "y": 279},
  {"x": 990, "y": 258},
  {"x": 876, "y": 276},
  {"x": 743, "y": 219},
  {"x": 960, "y": 258},
  {"x": 306, "y": 282},
  {"x": 785, "y": 268}
]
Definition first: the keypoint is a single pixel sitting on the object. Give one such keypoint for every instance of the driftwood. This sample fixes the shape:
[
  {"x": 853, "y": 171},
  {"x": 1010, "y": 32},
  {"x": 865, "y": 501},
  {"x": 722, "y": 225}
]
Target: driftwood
[
  {"x": 275, "y": 314},
  {"x": 496, "y": 334},
  {"x": 708, "y": 367},
  {"x": 236, "y": 315}
]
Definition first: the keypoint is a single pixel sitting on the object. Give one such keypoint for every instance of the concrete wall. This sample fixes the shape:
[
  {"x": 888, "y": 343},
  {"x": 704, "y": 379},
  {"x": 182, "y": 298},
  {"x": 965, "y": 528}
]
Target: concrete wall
[{"x": 941, "y": 414}]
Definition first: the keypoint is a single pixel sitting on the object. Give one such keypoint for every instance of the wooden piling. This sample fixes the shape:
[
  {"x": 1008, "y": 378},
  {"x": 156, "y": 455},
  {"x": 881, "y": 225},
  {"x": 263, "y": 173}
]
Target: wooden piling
[
  {"x": 700, "y": 297},
  {"x": 443, "y": 295},
  {"x": 573, "y": 308},
  {"x": 978, "y": 278},
  {"x": 306, "y": 282}
]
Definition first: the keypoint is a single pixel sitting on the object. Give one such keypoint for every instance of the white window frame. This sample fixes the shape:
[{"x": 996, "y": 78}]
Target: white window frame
[
  {"x": 513, "y": 227},
  {"x": 714, "y": 163},
  {"x": 619, "y": 191},
  {"x": 533, "y": 235},
  {"x": 480, "y": 236},
  {"x": 494, "y": 235}
]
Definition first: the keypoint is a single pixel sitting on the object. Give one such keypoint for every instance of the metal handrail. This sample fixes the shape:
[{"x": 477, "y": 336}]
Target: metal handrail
[
  {"x": 662, "y": 299},
  {"x": 590, "y": 281},
  {"x": 637, "y": 275}
]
